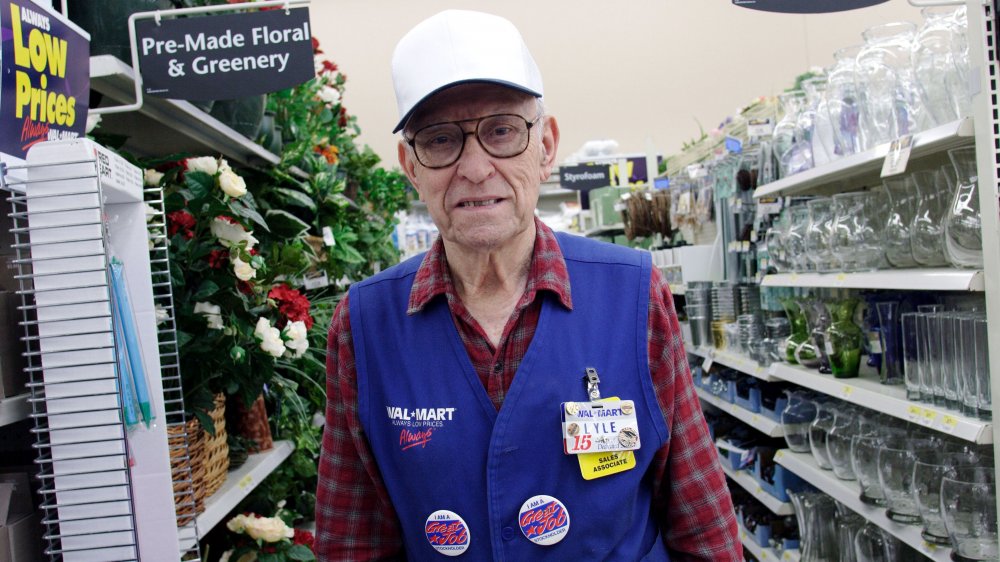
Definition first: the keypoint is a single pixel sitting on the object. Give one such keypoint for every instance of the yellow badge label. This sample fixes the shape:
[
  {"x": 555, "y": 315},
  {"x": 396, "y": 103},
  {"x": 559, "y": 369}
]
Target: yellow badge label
[{"x": 596, "y": 465}]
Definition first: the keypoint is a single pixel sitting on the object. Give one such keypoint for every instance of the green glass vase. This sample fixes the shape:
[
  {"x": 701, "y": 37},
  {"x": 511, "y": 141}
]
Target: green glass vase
[
  {"x": 844, "y": 339},
  {"x": 799, "y": 327}
]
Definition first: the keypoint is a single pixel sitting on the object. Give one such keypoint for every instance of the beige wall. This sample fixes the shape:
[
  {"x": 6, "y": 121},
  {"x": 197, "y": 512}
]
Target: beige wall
[{"x": 642, "y": 72}]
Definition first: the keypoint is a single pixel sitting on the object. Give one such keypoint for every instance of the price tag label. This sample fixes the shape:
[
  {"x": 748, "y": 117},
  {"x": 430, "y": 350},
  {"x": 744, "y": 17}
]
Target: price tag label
[
  {"x": 246, "y": 482},
  {"x": 743, "y": 535},
  {"x": 772, "y": 369},
  {"x": 746, "y": 246},
  {"x": 733, "y": 409},
  {"x": 328, "y": 238},
  {"x": 759, "y": 128},
  {"x": 754, "y": 419},
  {"x": 841, "y": 277},
  {"x": 787, "y": 555},
  {"x": 948, "y": 423},
  {"x": 928, "y": 547},
  {"x": 753, "y": 235},
  {"x": 780, "y": 453},
  {"x": 897, "y": 157},
  {"x": 930, "y": 416},
  {"x": 846, "y": 391},
  {"x": 914, "y": 413}
]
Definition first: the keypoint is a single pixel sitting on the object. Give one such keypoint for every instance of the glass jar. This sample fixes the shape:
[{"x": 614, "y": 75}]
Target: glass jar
[
  {"x": 901, "y": 210},
  {"x": 815, "y": 121},
  {"x": 796, "y": 418},
  {"x": 927, "y": 229},
  {"x": 943, "y": 88},
  {"x": 890, "y": 105},
  {"x": 788, "y": 136},
  {"x": 963, "y": 230},
  {"x": 842, "y": 101}
]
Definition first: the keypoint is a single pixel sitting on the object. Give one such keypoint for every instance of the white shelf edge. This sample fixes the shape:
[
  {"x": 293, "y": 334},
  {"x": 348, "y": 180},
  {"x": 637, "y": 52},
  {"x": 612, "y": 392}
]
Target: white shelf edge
[
  {"x": 239, "y": 483},
  {"x": 870, "y": 161},
  {"x": 846, "y": 493},
  {"x": 766, "y": 554},
  {"x": 760, "y": 422},
  {"x": 116, "y": 79},
  {"x": 927, "y": 279},
  {"x": 14, "y": 408},
  {"x": 678, "y": 289},
  {"x": 747, "y": 481},
  {"x": 868, "y": 392},
  {"x": 732, "y": 360}
]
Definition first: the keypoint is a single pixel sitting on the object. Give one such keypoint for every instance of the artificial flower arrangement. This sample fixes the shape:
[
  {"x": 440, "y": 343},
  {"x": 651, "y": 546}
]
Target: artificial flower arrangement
[
  {"x": 238, "y": 320},
  {"x": 267, "y": 539}
]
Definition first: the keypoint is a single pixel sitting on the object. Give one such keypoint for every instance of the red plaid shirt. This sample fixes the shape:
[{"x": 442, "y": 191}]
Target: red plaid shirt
[{"x": 355, "y": 519}]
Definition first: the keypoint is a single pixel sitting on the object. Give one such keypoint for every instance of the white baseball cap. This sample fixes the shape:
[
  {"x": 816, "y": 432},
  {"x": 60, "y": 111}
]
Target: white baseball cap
[{"x": 458, "y": 47}]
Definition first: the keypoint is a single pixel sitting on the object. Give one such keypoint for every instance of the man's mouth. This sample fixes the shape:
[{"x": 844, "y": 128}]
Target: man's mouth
[{"x": 483, "y": 203}]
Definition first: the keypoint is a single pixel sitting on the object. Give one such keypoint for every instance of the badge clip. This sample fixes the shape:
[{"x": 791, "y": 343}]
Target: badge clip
[{"x": 592, "y": 381}]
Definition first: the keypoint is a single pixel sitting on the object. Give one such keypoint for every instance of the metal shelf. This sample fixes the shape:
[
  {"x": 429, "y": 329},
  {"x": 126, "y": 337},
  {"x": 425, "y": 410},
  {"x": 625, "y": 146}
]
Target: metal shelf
[
  {"x": 611, "y": 229},
  {"x": 178, "y": 125},
  {"x": 857, "y": 169},
  {"x": 921, "y": 279},
  {"x": 678, "y": 290},
  {"x": 14, "y": 409},
  {"x": 761, "y": 423},
  {"x": 846, "y": 493},
  {"x": 239, "y": 483},
  {"x": 732, "y": 360},
  {"x": 868, "y": 392},
  {"x": 747, "y": 481}
]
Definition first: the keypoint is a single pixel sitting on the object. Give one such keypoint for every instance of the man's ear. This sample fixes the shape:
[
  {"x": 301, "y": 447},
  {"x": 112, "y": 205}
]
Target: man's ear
[
  {"x": 407, "y": 161},
  {"x": 550, "y": 146}
]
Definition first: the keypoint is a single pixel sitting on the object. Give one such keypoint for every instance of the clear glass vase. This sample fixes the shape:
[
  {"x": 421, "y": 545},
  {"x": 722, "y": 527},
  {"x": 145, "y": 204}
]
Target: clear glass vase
[
  {"x": 927, "y": 229},
  {"x": 818, "y": 432},
  {"x": 816, "y": 514},
  {"x": 818, "y": 234},
  {"x": 963, "y": 231},
  {"x": 774, "y": 240},
  {"x": 892, "y": 342},
  {"x": 901, "y": 210},
  {"x": 890, "y": 105},
  {"x": 815, "y": 121},
  {"x": 790, "y": 145},
  {"x": 843, "y": 101},
  {"x": 856, "y": 233},
  {"x": 938, "y": 64},
  {"x": 795, "y": 238},
  {"x": 796, "y": 418}
]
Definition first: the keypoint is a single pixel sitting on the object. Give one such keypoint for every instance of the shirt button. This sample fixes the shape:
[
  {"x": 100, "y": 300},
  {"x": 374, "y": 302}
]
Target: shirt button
[
  {"x": 498, "y": 367},
  {"x": 508, "y": 533}
]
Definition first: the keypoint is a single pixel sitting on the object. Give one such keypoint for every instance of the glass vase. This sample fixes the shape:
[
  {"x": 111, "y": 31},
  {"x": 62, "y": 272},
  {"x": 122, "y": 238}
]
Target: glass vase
[
  {"x": 795, "y": 238},
  {"x": 774, "y": 240},
  {"x": 815, "y": 121},
  {"x": 844, "y": 339},
  {"x": 817, "y": 322},
  {"x": 843, "y": 100},
  {"x": 856, "y": 233},
  {"x": 796, "y": 418},
  {"x": 789, "y": 138},
  {"x": 901, "y": 211},
  {"x": 818, "y": 234},
  {"x": 892, "y": 343},
  {"x": 963, "y": 233},
  {"x": 939, "y": 53},
  {"x": 800, "y": 331},
  {"x": 927, "y": 231},
  {"x": 819, "y": 430},
  {"x": 890, "y": 106}
]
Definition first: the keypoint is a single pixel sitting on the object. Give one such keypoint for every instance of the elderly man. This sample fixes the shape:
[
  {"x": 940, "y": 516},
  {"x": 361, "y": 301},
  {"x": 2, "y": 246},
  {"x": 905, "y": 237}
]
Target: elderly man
[{"x": 513, "y": 394}]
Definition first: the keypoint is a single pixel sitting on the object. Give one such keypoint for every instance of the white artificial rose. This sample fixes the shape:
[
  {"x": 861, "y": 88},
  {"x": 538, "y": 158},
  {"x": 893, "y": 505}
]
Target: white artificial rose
[
  {"x": 269, "y": 529},
  {"x": 231, "y": 233},
  {"x": 212, "y": 314},
  {"x": 93, "y": 120},
  {"x": 161, "y": 314},
  {"x": 223, "y": 165},
  {"x": 237, "y": 524},
  {"x": 206, "y": 164},
  {"x": 152, "y": 177},
  {"x": 297, "y": 340},
  {"x": 329, "y": 95},
  {"x": 243, "y": 270},
  {"x": 232, "y": 184},
  {"x": 270, "y": 338}
]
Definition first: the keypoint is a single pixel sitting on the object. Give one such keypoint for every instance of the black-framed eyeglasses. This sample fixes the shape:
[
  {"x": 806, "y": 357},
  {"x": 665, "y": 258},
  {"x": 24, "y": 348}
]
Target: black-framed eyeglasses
[{"x": 502, "y": 136}]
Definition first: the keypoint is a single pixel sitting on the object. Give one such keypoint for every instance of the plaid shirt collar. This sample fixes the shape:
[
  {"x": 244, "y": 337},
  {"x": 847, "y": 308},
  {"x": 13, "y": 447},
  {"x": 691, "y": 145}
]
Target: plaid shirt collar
[{"x": 548, "y": 272}]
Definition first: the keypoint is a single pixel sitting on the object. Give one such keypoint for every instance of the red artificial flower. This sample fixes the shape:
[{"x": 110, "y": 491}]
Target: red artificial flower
[
  {"x": 217, "y": 259},
  {"x": 329, "y": 66},
  {"x": 292, "y": 304},
  {"x": 181, "y": 221},
  {"x": 316, "y": 49},
  {"x": 343, "y": 117},
  {"x": 303, "y": 537},
  {"x": 268, "y": 549},
  {"x": 228, "y": 219},
  {"x": 244, "y": 287},
  {"x": 329, "y": 152}
]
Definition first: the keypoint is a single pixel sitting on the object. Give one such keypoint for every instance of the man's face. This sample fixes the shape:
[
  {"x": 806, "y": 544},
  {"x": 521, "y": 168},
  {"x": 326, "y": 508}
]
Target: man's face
[{"x": 482, "y": 203}]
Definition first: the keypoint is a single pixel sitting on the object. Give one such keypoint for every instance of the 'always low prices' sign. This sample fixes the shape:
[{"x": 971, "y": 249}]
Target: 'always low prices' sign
[{"x": 225, "y": 56}]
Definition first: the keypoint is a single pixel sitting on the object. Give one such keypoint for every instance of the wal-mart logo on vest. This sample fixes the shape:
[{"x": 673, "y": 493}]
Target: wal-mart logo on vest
[{"x": 417, "y": 425}]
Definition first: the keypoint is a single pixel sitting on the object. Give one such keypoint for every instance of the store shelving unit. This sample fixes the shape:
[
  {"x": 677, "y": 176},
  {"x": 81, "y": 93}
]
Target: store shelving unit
[
  {"x": 864, "y": 167},
  {"x": 14, "y": 409},
  {"x": 732, "y": 360},
  {"x": 179, "y": 126},
  {"x": 847, "y": 494},
  {"x": 765, "y": 425},
  {"x": 240, "y": 482},
  {"x": 929, "y": 279},
  {"x": 609, "y": 230},
  {"x": 747, "y": 482},
  {"x": 766, "y": 554}
]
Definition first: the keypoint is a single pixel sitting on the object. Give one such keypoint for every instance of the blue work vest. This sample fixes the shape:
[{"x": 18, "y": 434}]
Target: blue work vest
[{"x": 440, "y": 444}]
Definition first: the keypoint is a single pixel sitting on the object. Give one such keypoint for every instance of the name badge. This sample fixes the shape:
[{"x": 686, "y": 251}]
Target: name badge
[{"x": 599, "y": 427}]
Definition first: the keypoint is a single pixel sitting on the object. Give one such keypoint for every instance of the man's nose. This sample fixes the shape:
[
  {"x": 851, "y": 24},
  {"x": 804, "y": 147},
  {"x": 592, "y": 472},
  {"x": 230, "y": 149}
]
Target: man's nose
[{"x": 475, "y": 164}]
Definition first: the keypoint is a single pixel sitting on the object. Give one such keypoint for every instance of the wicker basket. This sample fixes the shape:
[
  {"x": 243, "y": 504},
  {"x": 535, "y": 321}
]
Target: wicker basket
[{"x": 207, "y": 460}]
